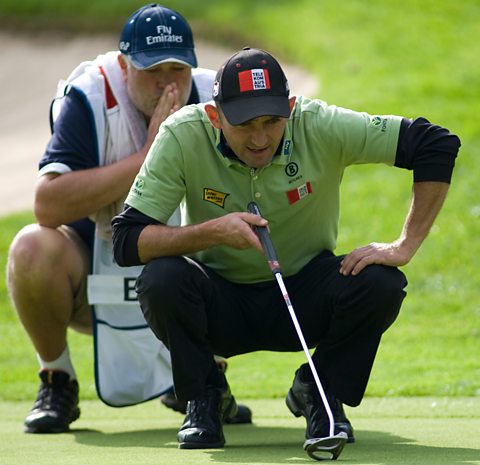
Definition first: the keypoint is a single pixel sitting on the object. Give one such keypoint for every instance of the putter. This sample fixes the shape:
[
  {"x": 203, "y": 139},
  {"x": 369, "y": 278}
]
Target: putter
[{"x": 331, "y": 446}]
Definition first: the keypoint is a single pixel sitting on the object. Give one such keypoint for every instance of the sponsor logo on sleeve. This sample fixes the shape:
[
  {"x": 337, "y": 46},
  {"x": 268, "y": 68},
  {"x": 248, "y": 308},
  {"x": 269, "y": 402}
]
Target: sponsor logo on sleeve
[
  {"x": 379, "y": 122},
  {"x": 138, "y": 187},
  {"x": 215, "y": 197}
]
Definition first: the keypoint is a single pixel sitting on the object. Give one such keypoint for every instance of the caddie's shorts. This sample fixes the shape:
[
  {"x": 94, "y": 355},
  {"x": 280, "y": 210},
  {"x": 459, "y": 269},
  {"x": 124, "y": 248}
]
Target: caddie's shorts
[{"x": 82, "y": 311}]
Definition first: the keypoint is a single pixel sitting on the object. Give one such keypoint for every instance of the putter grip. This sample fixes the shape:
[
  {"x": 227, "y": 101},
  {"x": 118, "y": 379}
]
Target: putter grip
[{"x": 266, "y": 240}]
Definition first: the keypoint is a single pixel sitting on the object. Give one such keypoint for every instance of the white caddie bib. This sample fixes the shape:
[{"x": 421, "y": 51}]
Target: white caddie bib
[{"x": 131, "y": 364}]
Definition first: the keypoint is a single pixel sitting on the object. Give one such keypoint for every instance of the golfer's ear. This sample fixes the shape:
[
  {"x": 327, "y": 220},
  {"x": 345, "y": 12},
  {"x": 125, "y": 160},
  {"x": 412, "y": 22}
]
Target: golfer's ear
[
  {"x": 292, "y": 101},
  {"x": 212, "y": 114}
]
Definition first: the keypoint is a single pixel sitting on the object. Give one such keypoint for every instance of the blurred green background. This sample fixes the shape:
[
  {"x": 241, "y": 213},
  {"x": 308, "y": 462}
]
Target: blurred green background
[{"x": 409, "y": 58}]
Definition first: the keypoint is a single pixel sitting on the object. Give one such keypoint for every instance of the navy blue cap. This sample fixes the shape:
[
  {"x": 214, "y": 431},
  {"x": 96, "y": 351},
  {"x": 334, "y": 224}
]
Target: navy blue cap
[
  {"x": 155, "y": 34},
  {"x": 251, "y": 83}
]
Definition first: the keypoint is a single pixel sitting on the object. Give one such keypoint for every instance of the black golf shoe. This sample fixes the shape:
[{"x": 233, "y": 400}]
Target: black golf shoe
[
  {"x": 342, "y": 423},
  {"x": 56, "y": 405},
  {"x": 202, "y": 427},
  {"x": 303, "y": 399},
  {"x": 243, "y": 415}
]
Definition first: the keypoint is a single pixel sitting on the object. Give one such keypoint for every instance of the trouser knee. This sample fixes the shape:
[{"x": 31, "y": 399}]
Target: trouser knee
[
  {"x": 163, "y": 284},
  {"x": 385, "y": 286},
  {"x": 162, "y": 278}
]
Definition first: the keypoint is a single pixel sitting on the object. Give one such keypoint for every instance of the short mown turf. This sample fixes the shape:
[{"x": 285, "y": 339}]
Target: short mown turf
[{"x": 424, "y": 431}]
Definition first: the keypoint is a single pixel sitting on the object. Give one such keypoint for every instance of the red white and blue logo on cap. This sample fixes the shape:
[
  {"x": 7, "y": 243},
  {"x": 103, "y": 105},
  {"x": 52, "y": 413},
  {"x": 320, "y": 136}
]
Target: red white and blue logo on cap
[{"x": 254, "y": 79}]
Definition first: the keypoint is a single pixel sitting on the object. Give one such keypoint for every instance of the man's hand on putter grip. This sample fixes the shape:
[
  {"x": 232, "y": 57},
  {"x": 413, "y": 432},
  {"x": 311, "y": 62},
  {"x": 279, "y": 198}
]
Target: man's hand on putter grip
[
  {"x": 390, "y": 254},
  {"x": 238, "y": 230}
]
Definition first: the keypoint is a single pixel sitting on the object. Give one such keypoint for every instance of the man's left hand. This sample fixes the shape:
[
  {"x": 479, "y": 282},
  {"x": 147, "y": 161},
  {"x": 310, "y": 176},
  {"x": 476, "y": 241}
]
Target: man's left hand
[{"x": 391, "y": 254}]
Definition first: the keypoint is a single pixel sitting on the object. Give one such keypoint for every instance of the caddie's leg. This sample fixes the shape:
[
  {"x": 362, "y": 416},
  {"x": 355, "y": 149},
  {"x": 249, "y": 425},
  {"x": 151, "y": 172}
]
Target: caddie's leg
[{"x": 46, "y": 272}]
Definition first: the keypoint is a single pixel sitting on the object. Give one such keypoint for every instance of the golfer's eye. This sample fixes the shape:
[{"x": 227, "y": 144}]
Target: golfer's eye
[
  {"x": 246, "y": 125},
  {"x": 274, "y": 120}
]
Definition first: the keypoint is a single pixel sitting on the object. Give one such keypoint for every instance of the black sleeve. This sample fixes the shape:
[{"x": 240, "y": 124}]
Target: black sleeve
[
  {"x": 427, "y": 149},
  {"x": 126, "y": 228}
]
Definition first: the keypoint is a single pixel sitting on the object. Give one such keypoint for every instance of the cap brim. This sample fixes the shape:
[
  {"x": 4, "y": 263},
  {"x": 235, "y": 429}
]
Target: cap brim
[
  {"x": 238, "y": 111},
  {"x": 145, "y": 60}
]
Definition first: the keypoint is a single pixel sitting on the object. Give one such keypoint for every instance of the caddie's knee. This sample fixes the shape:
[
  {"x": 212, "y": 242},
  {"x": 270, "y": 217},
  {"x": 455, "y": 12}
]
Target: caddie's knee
[
  {"x": 26, "y": 251},
  {"x": 37, "y": 254}
]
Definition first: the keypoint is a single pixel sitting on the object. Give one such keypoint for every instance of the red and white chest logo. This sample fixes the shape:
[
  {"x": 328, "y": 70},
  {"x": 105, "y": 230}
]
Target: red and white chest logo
[
  {"x": 254, "y": 79},
  {"x": 299, "y": 193}
]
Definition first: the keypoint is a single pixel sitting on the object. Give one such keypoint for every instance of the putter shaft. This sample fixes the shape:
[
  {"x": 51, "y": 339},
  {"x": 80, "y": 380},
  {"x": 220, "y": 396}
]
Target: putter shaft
[{"x": 274, "y": 265}]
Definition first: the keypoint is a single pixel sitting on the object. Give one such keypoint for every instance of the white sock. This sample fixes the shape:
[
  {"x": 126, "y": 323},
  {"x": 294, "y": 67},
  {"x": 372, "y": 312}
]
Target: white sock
[{"x": 62, "y": 363}]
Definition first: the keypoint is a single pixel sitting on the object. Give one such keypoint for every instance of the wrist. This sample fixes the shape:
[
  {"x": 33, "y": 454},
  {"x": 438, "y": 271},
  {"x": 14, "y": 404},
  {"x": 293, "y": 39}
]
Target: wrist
[{"x": 408, "y": 246}]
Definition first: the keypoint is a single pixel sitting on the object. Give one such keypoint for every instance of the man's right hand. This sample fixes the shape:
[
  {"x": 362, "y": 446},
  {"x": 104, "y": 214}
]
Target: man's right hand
[
  {"x": 236, "y": 230},
  {"x": 233, "y": 230}
]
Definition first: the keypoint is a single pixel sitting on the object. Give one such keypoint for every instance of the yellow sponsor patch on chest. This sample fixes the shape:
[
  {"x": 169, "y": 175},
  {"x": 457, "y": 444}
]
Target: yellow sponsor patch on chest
[{"x": 213, "y": 196}]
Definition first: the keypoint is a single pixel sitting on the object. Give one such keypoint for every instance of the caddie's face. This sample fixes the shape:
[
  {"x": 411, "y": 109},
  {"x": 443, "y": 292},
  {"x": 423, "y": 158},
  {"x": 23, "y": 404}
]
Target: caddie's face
[
  {"x": 145, "y": 87},
  {"x": 255, "y": 141}
]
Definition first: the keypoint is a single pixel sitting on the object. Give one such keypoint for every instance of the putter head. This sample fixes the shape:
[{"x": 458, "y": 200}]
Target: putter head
[{"x": 328, "y": 448}]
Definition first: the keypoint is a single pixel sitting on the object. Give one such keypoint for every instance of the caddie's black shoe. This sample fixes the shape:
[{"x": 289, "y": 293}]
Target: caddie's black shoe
[
  {"x": 243, "y": 415},
  {"x": 56, "y": 405},
  {"x": 202, "y": 427},
  {"x": 169, "y": 399},
  {"x": 303, "y": 399}
]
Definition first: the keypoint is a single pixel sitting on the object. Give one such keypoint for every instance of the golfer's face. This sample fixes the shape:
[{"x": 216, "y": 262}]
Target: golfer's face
[
  {"x": 146, "y": 87},
  {"x": 255, "y": 141}
]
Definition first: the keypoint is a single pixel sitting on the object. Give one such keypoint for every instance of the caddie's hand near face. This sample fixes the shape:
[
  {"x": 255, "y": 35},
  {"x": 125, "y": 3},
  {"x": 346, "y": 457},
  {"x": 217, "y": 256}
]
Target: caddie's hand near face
[
  {"x": 390, "y": 254},
  {"x": 235, "y": 230},
  {"x": 167, "y": 104},
  {"x": 146, "y": 87},
  {"x": 157, "y": 92}
]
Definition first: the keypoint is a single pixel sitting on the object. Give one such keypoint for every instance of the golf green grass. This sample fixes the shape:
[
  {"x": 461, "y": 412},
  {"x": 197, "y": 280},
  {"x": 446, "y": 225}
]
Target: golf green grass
[
  {"x": 410, "y": 58},
  {"x": 416, "y": 430}
]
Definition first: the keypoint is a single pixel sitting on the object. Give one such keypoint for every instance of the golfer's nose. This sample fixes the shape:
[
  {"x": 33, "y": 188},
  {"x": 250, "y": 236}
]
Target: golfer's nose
[{"x": 259, "y": 138}]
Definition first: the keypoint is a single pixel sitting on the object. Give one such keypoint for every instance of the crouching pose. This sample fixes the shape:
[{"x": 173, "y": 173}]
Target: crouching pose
[{"x": 206, "y": 288}]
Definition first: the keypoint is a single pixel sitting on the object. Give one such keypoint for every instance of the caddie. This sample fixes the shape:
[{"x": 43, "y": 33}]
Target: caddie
[{"x": 104, "y": 119}]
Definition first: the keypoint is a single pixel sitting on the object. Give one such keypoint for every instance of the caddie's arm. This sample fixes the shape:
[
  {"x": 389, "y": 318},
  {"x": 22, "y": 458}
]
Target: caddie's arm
[
  {"x": 61, "y": 199},
  {"x": 430, "y": 151}
]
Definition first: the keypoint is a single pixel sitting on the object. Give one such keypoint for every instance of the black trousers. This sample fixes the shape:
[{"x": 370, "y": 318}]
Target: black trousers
[{"x": 196, "y": 313}]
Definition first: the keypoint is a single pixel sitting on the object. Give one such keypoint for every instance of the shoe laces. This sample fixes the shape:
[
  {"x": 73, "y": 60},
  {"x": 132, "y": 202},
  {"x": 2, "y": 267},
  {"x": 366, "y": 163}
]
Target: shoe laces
[
  {"x": 55, "y": 395},
  {"x": 198, "y": 409}
]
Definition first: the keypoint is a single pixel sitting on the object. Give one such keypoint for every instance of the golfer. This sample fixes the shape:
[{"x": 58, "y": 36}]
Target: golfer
[{"x": 206, "y": 287}]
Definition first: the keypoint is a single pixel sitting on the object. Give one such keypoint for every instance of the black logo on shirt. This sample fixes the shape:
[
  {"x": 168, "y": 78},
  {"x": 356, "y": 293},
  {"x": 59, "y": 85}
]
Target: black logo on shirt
[{"x": 291, "y": 169}]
